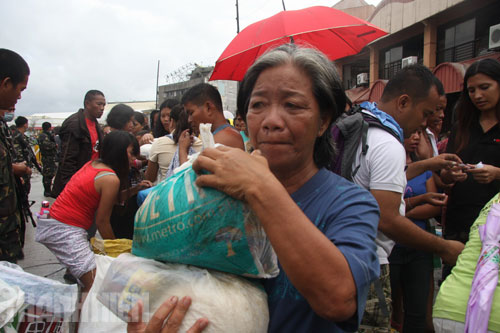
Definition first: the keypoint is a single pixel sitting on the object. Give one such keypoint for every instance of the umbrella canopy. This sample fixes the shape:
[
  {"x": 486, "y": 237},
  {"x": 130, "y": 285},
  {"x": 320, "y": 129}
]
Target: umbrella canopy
[{"x": 331, "y": 31}]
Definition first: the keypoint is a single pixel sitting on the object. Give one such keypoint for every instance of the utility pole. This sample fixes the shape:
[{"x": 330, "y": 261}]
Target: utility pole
[
  {"x": 237, "y": 18},
  {"x": 157, "y": 92},
  {"x": 283, "y": 2}
]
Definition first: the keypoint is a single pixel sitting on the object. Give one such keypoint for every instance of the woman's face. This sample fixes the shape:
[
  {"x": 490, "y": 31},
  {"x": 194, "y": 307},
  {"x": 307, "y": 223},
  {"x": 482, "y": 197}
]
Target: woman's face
[
  {"x": 484, "y": 92},
  {"x": 283, "y": 118},
  {"x": 136, "y": 126},
  {"x": 130, "y": 125},
  {"x": 239, "y": 124},
  {"x": 411, "y": 143},
  {"x": 165, "y": 118},
  {"x": 131, "y": 156}
]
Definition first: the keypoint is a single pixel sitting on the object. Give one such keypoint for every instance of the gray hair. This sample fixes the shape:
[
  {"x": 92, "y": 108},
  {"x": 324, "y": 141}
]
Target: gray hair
[{"x": 326, "y": 86}]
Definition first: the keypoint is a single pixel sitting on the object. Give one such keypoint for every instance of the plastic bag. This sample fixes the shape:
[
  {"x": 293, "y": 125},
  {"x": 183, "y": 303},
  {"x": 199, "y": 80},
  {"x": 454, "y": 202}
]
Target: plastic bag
[
  {"x": 95, "y": 317},
  {"x": 180, "y": 222},
  {"x": 11, "y": 302},
  {"x": 55, "y": 297},
  {"x": 230, "y": 303},
  {"x": 111, "y": 247}
]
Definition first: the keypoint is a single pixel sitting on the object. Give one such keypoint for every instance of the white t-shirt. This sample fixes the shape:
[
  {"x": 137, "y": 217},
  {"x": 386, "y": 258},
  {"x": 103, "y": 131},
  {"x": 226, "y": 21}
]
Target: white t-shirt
[
  {"x": 432, "y": 137},
  {"x": 382, "y": 168},
  {"x": 162, "y": 151},
  {"x": 145, "y": 150}
]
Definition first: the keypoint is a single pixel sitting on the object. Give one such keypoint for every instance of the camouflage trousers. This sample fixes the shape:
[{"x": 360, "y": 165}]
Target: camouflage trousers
[
  {"x": 10, "y": 238},
  {"x": 48, "y": 172},
  {"x": 49, "y": 168},
  {"x": 376, "y": 317}
]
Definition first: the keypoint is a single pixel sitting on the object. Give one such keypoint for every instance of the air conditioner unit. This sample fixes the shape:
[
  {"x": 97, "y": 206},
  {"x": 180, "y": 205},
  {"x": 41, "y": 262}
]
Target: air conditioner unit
[
  {"x": 494, "y": 40},
  {"x": 408, "y": 61},
  {"x": 362, "y": 78}
]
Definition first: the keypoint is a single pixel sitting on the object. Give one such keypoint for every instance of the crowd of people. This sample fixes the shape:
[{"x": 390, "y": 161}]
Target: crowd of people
[{"x": 353, "y": 256}]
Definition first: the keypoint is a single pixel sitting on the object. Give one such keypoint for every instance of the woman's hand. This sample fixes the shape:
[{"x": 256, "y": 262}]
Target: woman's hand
[
  {"x": 146, "y": 138},
  {"x": 435, "y": 199},
  {"x": 453, "y": 175},
  {"x": 431, "y": 198},
  {"x": 171, "y": 308},
  {"x": 233, "y": 171},
  {"x": 185, "y": 140},
  {"x": 484, "y": 175},
  {"x": 144, "y": 185}
]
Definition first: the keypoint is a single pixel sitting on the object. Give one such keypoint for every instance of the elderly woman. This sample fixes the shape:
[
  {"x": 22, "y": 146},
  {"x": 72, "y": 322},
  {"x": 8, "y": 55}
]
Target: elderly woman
[{"x": 321, "y": 226}]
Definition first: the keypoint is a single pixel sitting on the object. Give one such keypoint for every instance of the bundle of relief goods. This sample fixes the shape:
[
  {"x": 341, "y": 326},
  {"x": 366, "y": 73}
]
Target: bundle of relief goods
[
  {"x": 45, "y": 306},
  {"x": 180, "y": 222},
  {"x": 95, "y": 317},
  {"x": 110, "y": 247},
  {"x": 229, "y": 302}
]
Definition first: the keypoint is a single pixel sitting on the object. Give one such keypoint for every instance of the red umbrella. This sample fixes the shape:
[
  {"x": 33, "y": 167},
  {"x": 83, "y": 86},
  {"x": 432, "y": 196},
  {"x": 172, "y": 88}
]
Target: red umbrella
[{"x": 331, "y": 31}]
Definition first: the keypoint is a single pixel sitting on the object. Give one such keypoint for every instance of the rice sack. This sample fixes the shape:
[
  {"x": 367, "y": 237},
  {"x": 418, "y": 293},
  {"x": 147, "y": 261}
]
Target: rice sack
[{"x": 229, "y": 302}]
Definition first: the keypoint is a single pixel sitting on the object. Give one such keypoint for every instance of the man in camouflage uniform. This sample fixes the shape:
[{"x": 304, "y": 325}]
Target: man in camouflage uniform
[
  {"x": 48, "y": 149},
  {"x": 23, "y": 150},
  {"x": 11, "y": 225},
  {"x": 14, "y": 73}
]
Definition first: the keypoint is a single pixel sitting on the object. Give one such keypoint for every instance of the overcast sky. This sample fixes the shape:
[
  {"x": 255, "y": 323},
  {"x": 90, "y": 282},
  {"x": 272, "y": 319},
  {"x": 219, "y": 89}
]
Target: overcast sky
[{"x": 72, "y": 46}]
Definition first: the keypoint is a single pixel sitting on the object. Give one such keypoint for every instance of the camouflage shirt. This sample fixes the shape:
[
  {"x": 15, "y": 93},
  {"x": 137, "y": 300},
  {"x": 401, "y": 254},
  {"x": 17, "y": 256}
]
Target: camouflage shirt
[
  {"x": 10, "y": 221},
  {"x": 22, "y": 148},
  {"x": 48, "y": 149},
  {"x": 47, "y": 144}
]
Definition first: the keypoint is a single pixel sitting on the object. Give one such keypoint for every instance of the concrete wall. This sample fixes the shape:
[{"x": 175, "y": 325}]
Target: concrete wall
[
  {"x": 363, "y": 13},
  {"x": 227, "y": 89},
  {"x": 395, "y": 15}
]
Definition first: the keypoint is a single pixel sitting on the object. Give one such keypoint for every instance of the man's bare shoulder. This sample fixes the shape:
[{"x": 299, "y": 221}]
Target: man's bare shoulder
[{"x": 229, "y": 137}]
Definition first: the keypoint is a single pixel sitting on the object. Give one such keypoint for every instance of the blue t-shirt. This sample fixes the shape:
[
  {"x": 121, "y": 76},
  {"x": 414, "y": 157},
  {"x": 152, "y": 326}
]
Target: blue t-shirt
[
  {"x": 348, "y": 215},
  {"x": 417, "y": 186}
]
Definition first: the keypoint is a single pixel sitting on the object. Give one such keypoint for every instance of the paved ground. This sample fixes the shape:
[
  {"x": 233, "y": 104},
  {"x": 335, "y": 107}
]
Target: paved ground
[{"x": 38, "y": 259}]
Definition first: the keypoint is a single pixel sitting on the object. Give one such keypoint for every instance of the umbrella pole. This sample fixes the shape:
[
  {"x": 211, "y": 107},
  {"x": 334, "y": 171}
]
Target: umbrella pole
[
  {"x": 283, "y": 2},
  {"x": 237, "y": 18},
  {"x": 157, "y": 77}
]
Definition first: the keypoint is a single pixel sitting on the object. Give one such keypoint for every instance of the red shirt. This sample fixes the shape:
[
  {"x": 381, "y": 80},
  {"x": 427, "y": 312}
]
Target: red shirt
[
  {"x": 94, "y": 138},
  {"x": 78, "y": 202}
]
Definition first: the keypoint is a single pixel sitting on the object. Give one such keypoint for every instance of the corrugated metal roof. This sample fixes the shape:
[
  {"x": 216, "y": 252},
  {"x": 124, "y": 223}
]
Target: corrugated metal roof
[{"x": 451, "y": 74}]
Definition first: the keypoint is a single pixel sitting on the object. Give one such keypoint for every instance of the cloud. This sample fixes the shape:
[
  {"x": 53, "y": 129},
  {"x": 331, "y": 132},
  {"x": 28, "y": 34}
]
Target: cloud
[{"x": 114, "y": 45}]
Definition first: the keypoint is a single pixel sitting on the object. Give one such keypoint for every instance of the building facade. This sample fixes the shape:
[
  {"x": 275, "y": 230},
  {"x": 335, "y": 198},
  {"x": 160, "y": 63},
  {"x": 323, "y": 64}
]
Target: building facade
[
  {"x": 227, "y": 89},
  {"x": 444, "y": 35}
]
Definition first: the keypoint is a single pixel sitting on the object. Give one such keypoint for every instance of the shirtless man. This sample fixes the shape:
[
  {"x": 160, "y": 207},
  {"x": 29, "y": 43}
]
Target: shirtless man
[{"x": 204, "y": 105}]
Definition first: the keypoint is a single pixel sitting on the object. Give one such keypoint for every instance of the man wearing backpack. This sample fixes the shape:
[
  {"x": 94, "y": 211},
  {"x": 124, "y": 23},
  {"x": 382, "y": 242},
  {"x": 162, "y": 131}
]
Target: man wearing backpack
[{"x": 408, "y": 99}]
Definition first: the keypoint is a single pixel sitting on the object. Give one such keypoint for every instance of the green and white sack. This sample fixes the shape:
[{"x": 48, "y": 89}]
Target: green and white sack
[{"x": 182, "y": 223}]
